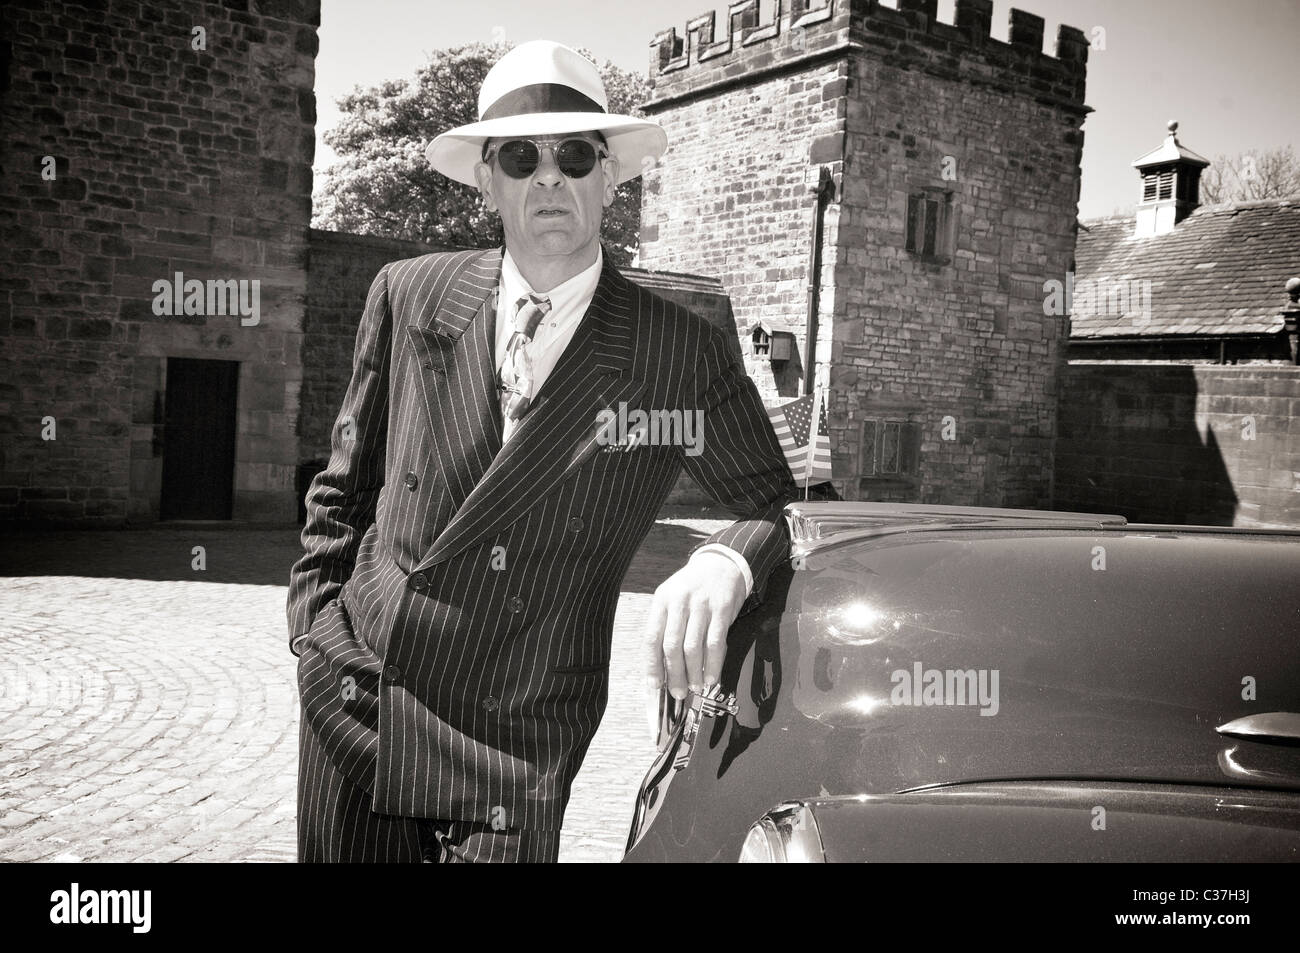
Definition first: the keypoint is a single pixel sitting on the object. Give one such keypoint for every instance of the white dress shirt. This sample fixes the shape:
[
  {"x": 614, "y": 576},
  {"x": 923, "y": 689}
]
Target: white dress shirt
[{"x": 569, "y": 302}]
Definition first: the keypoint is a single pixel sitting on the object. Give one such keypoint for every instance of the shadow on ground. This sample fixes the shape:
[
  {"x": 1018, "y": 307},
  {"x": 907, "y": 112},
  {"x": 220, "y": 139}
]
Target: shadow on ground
[{"x": 260, "y": 555}]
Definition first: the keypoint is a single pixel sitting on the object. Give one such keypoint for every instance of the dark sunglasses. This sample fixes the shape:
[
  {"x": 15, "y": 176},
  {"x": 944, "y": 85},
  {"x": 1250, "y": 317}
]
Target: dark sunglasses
[{"x": 518, "y": 158}]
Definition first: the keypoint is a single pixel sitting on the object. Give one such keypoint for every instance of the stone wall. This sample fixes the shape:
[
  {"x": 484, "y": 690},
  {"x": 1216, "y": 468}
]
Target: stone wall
[
  {"x": 341, "y": 268},
  {"x": 136, "y": 147},
  {"x": 943, "y": 368},
  {"x": 1182, "y": 443}
]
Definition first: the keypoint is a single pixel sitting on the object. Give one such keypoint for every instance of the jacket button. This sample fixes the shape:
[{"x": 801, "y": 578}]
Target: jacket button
[
  {"x": 412, "y": 481},
  {"x": 491, "y": 703},
  {"x": 419, "y": 581},
  {"x": 392, "y": 673},
  {"x": 515, "y": 604},
  {"x": 575, "y": 525}
]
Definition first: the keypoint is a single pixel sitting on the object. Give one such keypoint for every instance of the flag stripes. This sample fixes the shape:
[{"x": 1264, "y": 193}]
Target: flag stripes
[{"x": 792, "y": 423}]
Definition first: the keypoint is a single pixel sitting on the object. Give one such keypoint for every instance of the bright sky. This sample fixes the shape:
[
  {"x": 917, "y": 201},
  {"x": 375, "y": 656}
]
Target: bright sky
[{"x": 1226, "y": 69}]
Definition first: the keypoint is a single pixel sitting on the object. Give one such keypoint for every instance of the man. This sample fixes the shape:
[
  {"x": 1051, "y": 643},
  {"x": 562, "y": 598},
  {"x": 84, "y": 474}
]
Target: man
[{"x": 454, "y": 609}]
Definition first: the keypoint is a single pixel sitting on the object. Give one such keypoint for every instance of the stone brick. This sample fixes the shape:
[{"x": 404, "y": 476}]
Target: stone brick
[{"x": 97, "y": 330}]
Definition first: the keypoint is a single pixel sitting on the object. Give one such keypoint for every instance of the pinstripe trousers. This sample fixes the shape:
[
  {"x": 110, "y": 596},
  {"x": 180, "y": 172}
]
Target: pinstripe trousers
[{"x": 336, "y": 825}]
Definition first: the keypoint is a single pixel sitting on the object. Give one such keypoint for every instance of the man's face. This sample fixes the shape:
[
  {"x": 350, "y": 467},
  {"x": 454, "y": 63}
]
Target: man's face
[{"x": 549, "y": 218}]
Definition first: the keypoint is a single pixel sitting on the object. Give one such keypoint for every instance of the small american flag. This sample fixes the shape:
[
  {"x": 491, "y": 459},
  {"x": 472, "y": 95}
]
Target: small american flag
[{"x": 793, "y": 423}]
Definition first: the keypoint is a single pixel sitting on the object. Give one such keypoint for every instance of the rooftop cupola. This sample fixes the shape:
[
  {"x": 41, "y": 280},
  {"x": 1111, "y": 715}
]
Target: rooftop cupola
[{"x": 1171, "y": 185}]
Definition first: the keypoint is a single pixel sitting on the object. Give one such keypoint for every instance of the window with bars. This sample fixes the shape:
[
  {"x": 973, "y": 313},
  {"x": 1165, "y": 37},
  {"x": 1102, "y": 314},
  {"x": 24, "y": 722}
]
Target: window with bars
[
  {"x": 889, "y": 449},
  {"x": 929, "y": 224}
]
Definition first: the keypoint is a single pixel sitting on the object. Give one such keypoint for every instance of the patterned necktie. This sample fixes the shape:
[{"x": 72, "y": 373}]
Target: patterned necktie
[{"x": 516, "y": 383}]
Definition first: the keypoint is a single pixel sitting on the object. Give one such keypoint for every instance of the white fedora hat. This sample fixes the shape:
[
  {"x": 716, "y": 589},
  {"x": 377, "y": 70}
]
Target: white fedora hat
[{"x": 542, "y": 88}]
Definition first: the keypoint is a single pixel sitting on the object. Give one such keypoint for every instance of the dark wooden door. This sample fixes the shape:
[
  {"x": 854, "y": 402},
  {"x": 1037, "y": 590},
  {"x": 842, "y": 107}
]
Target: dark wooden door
[{"x": 198, "y": 475}]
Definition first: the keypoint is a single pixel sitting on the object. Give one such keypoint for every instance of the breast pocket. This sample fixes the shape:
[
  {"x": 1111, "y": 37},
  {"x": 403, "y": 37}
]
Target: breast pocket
[
  {"x": 612, "y": 461},
  {"x": 431, "y": 352}
]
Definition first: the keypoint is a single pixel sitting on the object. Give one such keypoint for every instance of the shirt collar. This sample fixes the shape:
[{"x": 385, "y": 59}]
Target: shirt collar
[{"x": 564, "y": 296}]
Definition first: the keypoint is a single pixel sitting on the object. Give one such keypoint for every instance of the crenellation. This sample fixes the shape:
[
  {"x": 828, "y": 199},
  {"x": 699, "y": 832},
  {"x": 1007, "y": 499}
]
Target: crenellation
[
  {"x": 919, "y": 12},
  {"x": 760, "y": 28},
  {"x": 1071, "y": 45},
  {"x": 667, "y": 52},
  {"x": 709, "y": 45},
  {"x": 777, "y": 35},
  {"x": 1027, "y": 30},
  {"x": 975, "y": 18},
  {"x": 699, "y": 35},
  {"x": 665, "y": 48},
  {"x": 805, "y": 13}
]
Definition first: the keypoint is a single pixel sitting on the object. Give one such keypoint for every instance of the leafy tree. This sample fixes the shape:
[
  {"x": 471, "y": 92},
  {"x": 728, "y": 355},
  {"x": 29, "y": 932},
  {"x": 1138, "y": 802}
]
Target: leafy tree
[
  {"x": 1251, "y": 177},
  {"x": 383, "y": 185}
]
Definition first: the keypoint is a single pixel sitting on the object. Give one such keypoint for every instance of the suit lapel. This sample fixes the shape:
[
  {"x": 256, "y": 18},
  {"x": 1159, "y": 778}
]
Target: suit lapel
[
  {"x": 454, "y": 343},
  {"x": 562, "y": 426}
]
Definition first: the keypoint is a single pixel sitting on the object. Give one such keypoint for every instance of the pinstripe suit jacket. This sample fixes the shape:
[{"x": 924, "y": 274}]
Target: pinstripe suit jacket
[{"x": 459, "y": 597}]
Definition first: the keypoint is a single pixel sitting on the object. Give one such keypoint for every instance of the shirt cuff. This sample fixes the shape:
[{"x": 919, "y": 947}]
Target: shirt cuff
[{"x": 741, "y": 562}]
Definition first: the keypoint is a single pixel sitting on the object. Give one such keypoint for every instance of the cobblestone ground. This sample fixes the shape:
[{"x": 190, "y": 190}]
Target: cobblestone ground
[{"x": 149, "y": 712}]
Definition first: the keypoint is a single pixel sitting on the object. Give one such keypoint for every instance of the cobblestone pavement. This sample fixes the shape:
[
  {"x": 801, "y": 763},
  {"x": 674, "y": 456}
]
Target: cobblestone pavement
[{"x": 149, "y": 712}]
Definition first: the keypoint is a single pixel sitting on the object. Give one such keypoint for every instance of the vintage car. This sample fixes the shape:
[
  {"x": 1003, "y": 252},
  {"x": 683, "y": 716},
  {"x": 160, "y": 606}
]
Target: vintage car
[{"x": 941, "y": 683}]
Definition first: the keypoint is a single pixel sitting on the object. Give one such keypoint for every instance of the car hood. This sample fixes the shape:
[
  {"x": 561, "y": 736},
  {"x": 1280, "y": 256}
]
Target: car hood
[
  {"x": 952, "y": 657},
  {"x": 1115, "y": 654}
]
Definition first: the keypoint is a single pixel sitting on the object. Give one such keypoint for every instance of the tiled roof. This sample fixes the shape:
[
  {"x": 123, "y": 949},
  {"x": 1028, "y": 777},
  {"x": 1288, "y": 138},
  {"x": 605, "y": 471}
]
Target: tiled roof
[{"x": 1222, "y": 270}]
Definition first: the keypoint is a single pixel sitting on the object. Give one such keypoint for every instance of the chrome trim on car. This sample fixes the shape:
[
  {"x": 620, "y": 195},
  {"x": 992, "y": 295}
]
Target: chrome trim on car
[
  {"x": 1277, "y": 726},
  {"x": 814, "y": 525},
  {"x": 711, "y": 704}
]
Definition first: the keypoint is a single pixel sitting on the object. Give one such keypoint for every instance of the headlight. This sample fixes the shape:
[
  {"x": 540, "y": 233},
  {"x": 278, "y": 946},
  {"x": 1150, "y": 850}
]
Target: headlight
[
  {"x": 787, "y": 834},
  {"x": 762, "y": 844}
]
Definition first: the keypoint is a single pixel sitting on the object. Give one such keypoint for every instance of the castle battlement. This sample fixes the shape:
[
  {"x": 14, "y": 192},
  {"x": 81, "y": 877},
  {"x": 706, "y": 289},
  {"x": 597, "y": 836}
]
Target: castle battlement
[{"x": 767, "y": 36}]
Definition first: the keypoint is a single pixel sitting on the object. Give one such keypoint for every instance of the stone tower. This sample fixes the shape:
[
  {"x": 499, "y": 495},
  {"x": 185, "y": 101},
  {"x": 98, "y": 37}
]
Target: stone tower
[{"x": 926, "y": 176}]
